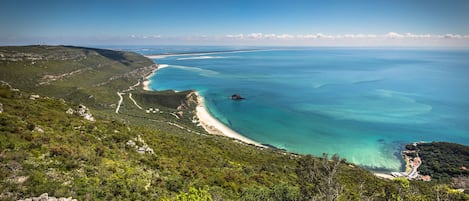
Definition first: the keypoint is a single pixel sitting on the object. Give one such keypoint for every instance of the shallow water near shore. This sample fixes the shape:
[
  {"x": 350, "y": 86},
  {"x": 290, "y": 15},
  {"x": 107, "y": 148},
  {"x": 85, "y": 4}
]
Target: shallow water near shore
[{"x": 363, "y": 104}]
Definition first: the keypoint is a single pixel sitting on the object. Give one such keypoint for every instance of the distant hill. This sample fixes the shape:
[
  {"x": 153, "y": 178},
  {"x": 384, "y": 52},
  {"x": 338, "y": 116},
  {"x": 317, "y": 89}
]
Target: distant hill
[
  {"x": 48, "y": 146},
  {"x": 86, "y": 75},
  {"x": 92, "y": 77}
]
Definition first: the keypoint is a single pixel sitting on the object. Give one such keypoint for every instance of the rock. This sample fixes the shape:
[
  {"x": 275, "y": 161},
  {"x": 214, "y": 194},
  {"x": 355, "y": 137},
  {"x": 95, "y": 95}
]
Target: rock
[
  {"x": 89, "y": 117},
  {"x": 131, "y": 143},
  {"x": 21, "y": 179},
  {"x": 140, "y": 149},
  {"x": 236, "y": 97},
  {"x": 34, "y": 96},
  {"x": 70, "y": 111},
  {"x": 46, "y": 197},
  {"x": 82, "y": 111},
  {"x": 1, "y": 107}
]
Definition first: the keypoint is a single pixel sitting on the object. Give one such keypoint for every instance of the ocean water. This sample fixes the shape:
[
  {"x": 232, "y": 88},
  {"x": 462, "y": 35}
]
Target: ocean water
[{"x": 363, "y": 104}]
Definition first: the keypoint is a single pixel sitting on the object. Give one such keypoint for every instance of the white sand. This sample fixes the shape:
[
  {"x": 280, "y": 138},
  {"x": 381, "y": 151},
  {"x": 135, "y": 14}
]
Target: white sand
[
  {"x": 208, "y": 122},
  {"x": 157, "y": 56},
  {"x": 146, "y": 83},
  {"x": 382, "y": 175},
  {"x": 213, "y": 126},
  {"x": 162, "y": 56}
]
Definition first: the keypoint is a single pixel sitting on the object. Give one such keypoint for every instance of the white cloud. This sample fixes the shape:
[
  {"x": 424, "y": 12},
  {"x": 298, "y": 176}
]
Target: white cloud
[
  {"x": 145, "y": 36},
  {"x": 236, "y": 36},
  {"x": 318, "y": 36},
  {"x": 257, "y": 38},
  {"x": 393, "y": 35},
  {"x": 411, "y": 35},
  {"x": 453, "y": 36},
  {"x": 285, "y": 36},
  {"x": 311, "y": 37},
  {"x": 355, "y": 39},
  {"x": 255, "y": 35}
]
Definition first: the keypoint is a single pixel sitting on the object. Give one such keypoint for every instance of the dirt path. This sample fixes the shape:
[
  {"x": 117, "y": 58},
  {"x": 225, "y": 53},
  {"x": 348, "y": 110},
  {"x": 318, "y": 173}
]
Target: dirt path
[
  {"x": 135, "y": 102},
  {"x": 120, "y": 102}
]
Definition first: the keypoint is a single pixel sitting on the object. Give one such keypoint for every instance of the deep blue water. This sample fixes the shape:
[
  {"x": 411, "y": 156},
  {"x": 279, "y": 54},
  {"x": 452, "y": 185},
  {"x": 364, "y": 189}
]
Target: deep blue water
[{"x": 362, "y": 104}]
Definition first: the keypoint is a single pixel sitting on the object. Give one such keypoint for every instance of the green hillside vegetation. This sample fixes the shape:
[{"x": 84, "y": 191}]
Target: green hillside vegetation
[
  {"x": 135, "y": 155},
  {"x": 71, "y": 73},
  {"x": 93, "y": 77},
  {"x": 442, "y": 160}
]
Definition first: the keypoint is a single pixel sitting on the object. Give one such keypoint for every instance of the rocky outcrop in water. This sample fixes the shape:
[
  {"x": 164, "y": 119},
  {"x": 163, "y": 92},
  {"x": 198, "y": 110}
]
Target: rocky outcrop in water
[{"x": 236, "y": 97}]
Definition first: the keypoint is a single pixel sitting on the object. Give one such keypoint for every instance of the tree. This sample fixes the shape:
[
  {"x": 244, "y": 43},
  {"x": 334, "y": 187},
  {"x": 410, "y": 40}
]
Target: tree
[{"x": 318, "y": 177}]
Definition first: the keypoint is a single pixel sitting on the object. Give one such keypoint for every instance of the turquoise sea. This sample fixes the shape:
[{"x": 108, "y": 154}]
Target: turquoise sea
[{"x": 361, "y": 103}]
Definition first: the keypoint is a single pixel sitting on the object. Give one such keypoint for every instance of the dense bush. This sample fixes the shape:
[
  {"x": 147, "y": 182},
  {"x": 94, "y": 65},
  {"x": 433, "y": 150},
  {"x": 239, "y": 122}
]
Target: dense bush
[{"x": 444, "y": 161}]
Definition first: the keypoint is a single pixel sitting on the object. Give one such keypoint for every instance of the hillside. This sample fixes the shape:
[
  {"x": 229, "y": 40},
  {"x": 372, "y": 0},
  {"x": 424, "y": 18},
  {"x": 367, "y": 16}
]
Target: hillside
[
  {"x": 97, "y": 78},
  {"x": 87, "y": 75},
  {"x": 442, "y": 160},
  {"x": 47, "y": 146}
]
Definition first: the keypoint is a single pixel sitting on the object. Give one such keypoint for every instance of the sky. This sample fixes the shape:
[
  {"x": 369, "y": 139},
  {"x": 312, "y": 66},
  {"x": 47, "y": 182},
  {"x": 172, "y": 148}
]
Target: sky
[{"x": 439, "y": 23}]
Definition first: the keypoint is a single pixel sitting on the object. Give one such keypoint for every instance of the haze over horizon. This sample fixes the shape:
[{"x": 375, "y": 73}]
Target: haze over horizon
[{"x": 274, "y": 23}]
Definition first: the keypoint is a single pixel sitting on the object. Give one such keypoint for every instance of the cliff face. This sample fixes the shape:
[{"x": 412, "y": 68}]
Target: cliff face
[{"x": 189, "y": 102}]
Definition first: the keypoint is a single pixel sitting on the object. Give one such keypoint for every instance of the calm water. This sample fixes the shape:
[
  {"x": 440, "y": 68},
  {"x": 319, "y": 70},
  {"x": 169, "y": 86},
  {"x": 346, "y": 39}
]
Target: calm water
[{"x": 362, "y": 104}]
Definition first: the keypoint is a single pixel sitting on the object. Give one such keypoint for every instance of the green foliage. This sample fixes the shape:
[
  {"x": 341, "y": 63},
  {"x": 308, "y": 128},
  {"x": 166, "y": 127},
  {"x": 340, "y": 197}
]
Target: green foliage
[
  {"x": 194, "y": 195},
  {"x": 402, "y": 182},
  {"x": 443, "y": 160},
  {"x": 280, "y": 192},
  {"x": 80, "y": 75}
]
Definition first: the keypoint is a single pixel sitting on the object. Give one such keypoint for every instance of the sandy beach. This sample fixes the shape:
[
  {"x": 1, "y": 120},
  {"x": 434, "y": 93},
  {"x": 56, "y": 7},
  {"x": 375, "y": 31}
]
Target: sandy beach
[
  {"x": 146, "y": 82},
  {"x": 208, "y": 122},
  {"x": 383, "y": 175},
  {"x": 213, "y": 126},
  {"x": 161, "y": 56}
]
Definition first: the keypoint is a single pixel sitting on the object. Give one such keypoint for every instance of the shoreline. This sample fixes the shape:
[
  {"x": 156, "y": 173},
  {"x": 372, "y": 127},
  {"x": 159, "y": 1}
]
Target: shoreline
[
  {"x": 164, "y": 55},
  {"x": 215, "y": 127},
  {"x": 207, "y": 121},
  {"x": 146, "y": 81}
]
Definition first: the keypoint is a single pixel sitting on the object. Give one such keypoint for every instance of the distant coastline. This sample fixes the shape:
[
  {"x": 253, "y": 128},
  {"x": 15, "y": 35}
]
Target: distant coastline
[
  {"x": 206, "y": 120},
  {"x": 163, "y": 55}
]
